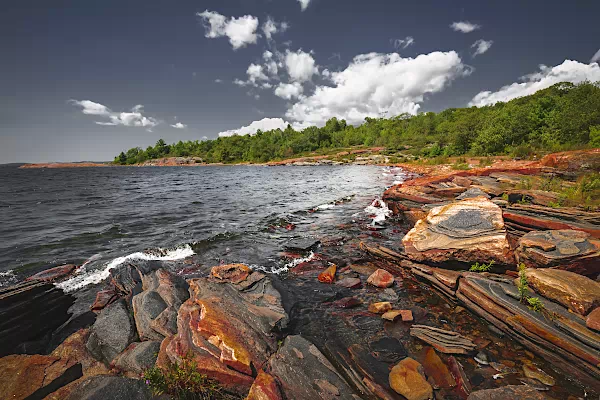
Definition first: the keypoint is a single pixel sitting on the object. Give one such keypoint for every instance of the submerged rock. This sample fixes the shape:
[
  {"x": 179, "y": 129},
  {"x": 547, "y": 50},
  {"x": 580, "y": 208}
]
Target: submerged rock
[
  {"x": 407, "y": 378},
  {"x": 52, "y": 274},
  {"x": 350, "y": 283},
  {"x": 381, "y": 279},
  {"x": 533, "y": 372},
  {"x": 435, "y": 369},
  {"x": 520, "y": 392},
  {"x": 328, "y": 276},
  {"x": 464, "y": 231}
]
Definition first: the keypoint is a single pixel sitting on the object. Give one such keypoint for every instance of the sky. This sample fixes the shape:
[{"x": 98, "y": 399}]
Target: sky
[{"x": 82, "y": 80}]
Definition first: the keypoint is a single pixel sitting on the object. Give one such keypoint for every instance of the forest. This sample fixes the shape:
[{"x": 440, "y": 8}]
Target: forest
[{"x": 562, "y": 117}]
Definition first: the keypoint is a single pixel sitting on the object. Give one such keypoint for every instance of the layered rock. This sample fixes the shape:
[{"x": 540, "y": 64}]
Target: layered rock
[
  {"x": 465, "y": 231},
  {"x": 264, "y": 388},
  {"x": 571, "y": 250},
  {"x": 444, "y": 341}
]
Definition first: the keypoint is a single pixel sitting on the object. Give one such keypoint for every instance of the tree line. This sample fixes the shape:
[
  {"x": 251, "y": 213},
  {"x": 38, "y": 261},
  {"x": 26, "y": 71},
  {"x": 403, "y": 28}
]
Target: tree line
[{"x": 563, "y": 116}]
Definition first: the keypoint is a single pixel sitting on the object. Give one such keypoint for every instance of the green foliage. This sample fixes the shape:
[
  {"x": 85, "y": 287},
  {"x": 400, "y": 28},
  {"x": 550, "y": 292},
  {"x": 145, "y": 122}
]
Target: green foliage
[
  {"x": 563, "y": 116},
  {"x": 486, "y": 162},
  {"x": 524, "y": 184},
  {"x": 182, "y": 381},
  {"x": 535, "y": 304},
  {"x": 481, "y": 267},
  {"x": 522, "y": 285}
]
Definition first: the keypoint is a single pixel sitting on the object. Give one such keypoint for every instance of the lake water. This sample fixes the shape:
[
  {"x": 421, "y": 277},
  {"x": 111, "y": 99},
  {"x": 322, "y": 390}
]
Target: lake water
[{"x": 104, "y": 217}]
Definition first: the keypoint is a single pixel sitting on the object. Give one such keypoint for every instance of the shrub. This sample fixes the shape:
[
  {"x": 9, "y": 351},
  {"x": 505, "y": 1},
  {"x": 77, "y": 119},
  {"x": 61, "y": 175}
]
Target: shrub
[
  {"x": 522, "y": 285},
  {"x": 481, "y": 267},
  {"x": 535, "y": 304}
]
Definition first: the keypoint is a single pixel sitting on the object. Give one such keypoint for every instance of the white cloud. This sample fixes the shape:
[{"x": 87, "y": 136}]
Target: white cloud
[
  {"x": 596, "y": 57},
  {"x": 289, "y": 91},
  {"x": 265, "y": 124},
  {"x": 402, "y": 43},
  {"x": 179, "y": 125},
  {"x": 375, "y": 84},
  {"x": 271, "y": 27},
  {"x": 240, "y": 82},
  {"x": 255, "y": 73},
  {"x": 135, "y": 118},
  {"x": 481, "y": 46},
  {"x": 270, "y": 63},
  {"x": 568, "y": 71},
  {"x": 218, "y": 81},
  {"x": 464, "y": 26},
  {"x": 240, "y": 31},
  {"x": 300, "y": 65},
  {"x": 303, "y": 4}
]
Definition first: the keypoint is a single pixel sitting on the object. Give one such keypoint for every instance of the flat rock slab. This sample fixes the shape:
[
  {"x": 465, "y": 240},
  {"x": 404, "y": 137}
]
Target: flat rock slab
[
  {"x": 305, "y": 373},
  {"x": 444, "y": 341},
  {"x": 110, "y": 387},
  {"x": 521, "y": 392}
]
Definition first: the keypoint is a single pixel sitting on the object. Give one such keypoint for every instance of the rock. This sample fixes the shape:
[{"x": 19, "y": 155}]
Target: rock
[
  {"x": 407, "y": 379},
  {"x": 112, "y": 332},
  {"x": 593, "y": 319},
  {"x": 305, "y": 373},
  {"x": 510, "y": 392},
  {"x": 264, "y": 388},
  {"x": 232, "y": 273},
  {"x": 347, "y": 302},
  {"x": 533, "y": 372},
  {"x": 388, "y": 350},
  {"x": 463, "y": 386},
  {"x": 465, "y": 231},
  {"x": 350, "y": 283},
  {"x": 110, "y": 387},
  {"x": 381, "y": 307},
  {"x": 146, "y": 307},
  {"x": 39, "y": 307},
  {"x": 328, "y": 276},
  {"x": 444, "y": 341},
  {"x": 381, "y": 279},
  {"x": 53, "y": 273},
  {"x": 393, "y": 315},
  {"x": 103, "y": 299},
  {"x": 137, "y": 357},
  {"x": 462, "y": 181},
  {"x": 574, "y": 291},
  {"x": 435, "y": 369},
  {"x": 564, "y": 249},
  {"x": 472, "y": 193}
]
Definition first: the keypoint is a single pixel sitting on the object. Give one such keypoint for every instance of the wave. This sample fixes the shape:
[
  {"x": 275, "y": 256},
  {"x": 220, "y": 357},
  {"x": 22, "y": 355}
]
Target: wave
[
  {"x": 7, "y": 278},
  {"x": 85, "y": 277},
  {"x": 378, "y": 210},
  {"x": 286, "y": 267}
]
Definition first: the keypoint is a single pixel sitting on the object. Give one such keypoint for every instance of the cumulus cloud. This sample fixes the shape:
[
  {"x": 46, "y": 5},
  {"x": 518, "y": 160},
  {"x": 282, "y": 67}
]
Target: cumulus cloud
[
  {"x": 289, "y": 91},
  {"x": 134, "y": 118},
  {"x": 255, "y": 73},
  {"x": 270, "y": 27},
  {"x": 402, "y": 43},
  {"x": 300, "y": 66},
  {"x": 568, "y": 71},
  {"x": 481, "y": 46},
  {"x": 179, "y": 125},
  {"x": 240, "y": 31},
  {"x": 304, "y": 4},
  {"x": 218, "y": 81},
  {"x": 264, "y": 124},
  {"x": 375, "y": 84},
  {"x": 596, "y": 57},
  {"x": 464, "y": 26}
]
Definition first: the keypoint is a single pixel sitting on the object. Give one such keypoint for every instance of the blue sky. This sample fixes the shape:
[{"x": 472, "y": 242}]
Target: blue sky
[{"x": 85, "y": 80}]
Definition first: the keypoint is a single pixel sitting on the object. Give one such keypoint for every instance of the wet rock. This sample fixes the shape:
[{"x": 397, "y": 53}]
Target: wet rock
[
  {"x": 464, "y": 231},
  {"x": 104, "y": 298},
  {"x": 264, "y": 388},
  {"x": 521, "y": 392},
  {"x": 482, "y": 358},
  {"x": 328, "y": 276},
  {"x": 435, "y": 369},
  {"x": 394, "y": 315},
  {"x": 574, "y": 291},
  {"x": 593, "y": 319},
  {"x": 570, "y": 250},
  {"x": 112, "y": 332},
  {"x": 381, "y": 279},
  {"x": 110, "y": 387},
  {"x": 347, "y": 302},
  {"x": 472, "y": 193},
  {"x": 463, "y": 386},
  {"x": 232, "y": 273},
  {"x": 381, "y": 307},
  {"x": 53, "y": 274},
  {"x": 137, "y": 357},
  {"x": 387, "y": 349},
  {"x": 305, "y": 373},
  {"x": 407, "y": 378},
  {"x": 350, "y": 283},
  {"x": 533, "y": 372},
  {"x": 444, "y": 341}
]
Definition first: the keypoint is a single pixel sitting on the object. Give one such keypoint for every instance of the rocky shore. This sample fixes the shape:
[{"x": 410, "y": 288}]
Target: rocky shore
[{"x": 479, "y": 287}]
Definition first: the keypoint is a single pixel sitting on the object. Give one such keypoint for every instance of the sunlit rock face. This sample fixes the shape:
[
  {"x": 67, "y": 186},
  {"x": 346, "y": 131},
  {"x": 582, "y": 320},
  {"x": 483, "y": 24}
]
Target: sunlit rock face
[{"x": 465, "y": 231}]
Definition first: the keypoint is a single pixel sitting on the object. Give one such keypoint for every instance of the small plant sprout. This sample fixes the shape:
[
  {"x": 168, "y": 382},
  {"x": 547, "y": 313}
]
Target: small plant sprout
[
  {"x": 522, "y": 285},
  {"x": 535, "y": 304},
  {"x": 481, "y": 267}
]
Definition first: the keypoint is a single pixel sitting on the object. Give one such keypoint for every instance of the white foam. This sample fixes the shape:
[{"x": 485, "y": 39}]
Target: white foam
[
  {"x": 380, "y": 213},
  {"x": 295, "y": 262},
  {"x": 325, "y": 206},
  {"x": 83, "y": 277},
  {"x": 7, "y": 278}
]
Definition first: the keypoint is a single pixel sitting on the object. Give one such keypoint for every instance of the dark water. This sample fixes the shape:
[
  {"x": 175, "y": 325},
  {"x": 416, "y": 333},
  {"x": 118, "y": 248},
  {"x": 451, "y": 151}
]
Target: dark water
[{"x": 106, "y": 216}]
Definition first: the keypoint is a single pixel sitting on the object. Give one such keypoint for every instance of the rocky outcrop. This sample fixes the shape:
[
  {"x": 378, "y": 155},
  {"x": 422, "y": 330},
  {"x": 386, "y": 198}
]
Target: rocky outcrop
[
  {"x": 264, "y": 388},
  {"x": 570, "y": 250},
  {"x": 576, "y": 292},
  {"x": 112, "y": 332},
  {"x": 53, "y": 274},
  {"x": 137, "y": 358},
  {"x": 110, "y": 387},
  {"x": 228, "y": 329},
  {"x": 305, "y": 373},
  {"x": 465, "y": 231}
]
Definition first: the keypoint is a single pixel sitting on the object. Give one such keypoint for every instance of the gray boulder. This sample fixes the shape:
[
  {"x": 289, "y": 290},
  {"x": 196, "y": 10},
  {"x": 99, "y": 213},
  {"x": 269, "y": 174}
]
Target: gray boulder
[
  {"x": 147, "y": 306},
  {"x": 138, "y": 357},
  {"x": 105, "y": 387},
  {"x": 112, "y": 332}
]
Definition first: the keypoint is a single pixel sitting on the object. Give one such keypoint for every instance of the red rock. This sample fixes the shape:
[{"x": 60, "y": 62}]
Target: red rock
[
  {"x": 380, "y": 308},
  {"x": 593, "y": 319},
  {"x": 462, "y": 382},
  {"x": 406, "y": 378},
  {"x": 462, "y": 181},
  {"x": 264, "y": 388},
  {"x": 234, "y": 273},
  {"x": 381, "y": 278},
  {"x": 540, "y": 223},
  {"x": 53, "y": 273},
  {"x": 350, "y": 283},
  {"x": 328, "y": 276},
  {"x": 435, "y": 369},
  {"x": 103, "y": 299},
  {"x": 347, "y": 302},
  {"x": 394, "y": 315}
]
